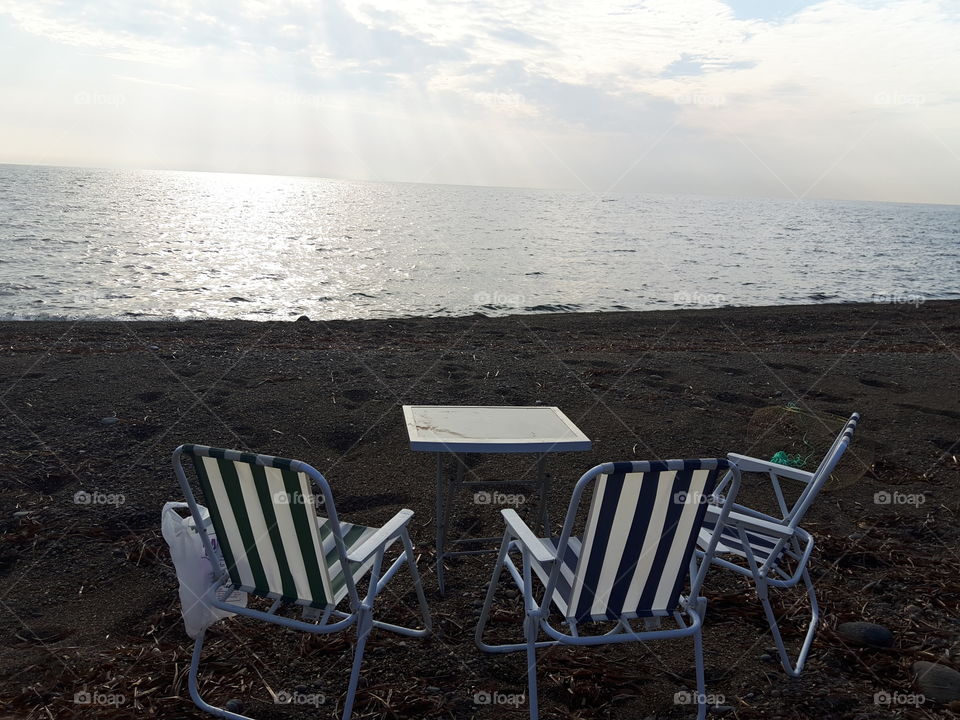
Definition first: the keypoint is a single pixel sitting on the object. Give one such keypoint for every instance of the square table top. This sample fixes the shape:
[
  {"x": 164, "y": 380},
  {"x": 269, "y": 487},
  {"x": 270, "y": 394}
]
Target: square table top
[{"x": 499, "y": 429}]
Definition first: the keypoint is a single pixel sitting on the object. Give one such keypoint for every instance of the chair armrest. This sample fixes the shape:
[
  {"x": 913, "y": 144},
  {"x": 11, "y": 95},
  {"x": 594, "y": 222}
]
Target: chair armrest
[
  {"x": 750, "y": 523},
  {"x": 749, "y": 464},
  {"x": 380, "y": 537},
  {"x": 541, "y": 553}
]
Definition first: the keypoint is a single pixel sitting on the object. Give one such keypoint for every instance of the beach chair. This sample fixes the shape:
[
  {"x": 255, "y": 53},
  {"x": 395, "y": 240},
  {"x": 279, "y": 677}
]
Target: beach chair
[
  {"x": 630, "y": 564},
  {"x": 776, "y": 550},
  {"x": 275, "y": 544}
]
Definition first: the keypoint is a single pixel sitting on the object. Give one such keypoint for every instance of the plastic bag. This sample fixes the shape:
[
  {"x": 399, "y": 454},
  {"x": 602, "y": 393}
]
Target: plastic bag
[{"x": 194, "y": 568}]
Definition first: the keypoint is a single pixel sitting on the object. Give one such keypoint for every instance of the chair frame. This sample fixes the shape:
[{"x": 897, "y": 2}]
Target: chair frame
[
  {"x": 327, "y": 619},
  {"x": 519, "y": 537},
  {"x": 790, "y": 539}
]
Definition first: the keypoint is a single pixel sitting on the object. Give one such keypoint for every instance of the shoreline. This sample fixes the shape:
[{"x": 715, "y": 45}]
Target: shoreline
[{"x": 905, "y": 302}]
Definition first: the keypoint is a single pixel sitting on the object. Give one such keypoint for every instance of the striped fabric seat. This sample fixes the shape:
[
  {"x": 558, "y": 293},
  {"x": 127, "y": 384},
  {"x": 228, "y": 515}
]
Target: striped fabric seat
[
  {"x": 761, "y": 546},
  {"x": 273, "y": 542},
  {"x": 640, "y": 532},
  {"x": 568, "y": 569}
]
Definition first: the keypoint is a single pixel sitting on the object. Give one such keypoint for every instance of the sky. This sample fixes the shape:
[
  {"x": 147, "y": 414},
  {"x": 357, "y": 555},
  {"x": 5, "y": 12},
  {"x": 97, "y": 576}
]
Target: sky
[{"x": 848, "y": 99}]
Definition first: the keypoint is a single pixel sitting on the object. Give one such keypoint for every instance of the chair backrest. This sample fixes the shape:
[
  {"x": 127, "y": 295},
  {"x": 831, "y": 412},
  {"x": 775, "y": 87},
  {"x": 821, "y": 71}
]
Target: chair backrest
[
  {"x": 823, "y": 471},
  {"x": 639, "y": 537},
  {"x": 263, "y": 510}
]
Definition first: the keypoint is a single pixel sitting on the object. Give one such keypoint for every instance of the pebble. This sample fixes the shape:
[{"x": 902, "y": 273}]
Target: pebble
[
  {"x": 766, "y": 657},
  {"x": 109, "y": 420},
  {"x": 233, "y": 705},
  {"x": 865, "y": 634},
  {"x": 937, "y": 682}
]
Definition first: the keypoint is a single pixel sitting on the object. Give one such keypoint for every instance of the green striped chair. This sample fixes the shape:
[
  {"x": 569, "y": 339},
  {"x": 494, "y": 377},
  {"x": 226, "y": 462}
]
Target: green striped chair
[{"x": 275, "y": 545}]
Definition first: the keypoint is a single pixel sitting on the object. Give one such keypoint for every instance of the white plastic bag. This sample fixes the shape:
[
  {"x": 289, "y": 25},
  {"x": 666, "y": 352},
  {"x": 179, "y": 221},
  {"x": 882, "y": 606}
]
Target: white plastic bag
[{"x": 194, "y": 569}]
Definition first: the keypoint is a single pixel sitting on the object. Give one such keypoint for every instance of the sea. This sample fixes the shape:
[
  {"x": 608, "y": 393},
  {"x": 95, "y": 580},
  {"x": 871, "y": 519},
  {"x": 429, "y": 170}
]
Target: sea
[{"x": 79, "y": 243}]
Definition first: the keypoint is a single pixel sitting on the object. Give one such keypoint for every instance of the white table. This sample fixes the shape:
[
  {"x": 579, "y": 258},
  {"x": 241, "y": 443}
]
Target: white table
[{"x": 450, "y": 431}]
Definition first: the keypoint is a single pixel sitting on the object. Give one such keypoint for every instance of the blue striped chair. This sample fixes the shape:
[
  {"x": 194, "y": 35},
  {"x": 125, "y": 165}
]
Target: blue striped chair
[
  {"x": 776, "y": 550},
  {"x": 631, "y": 563},
  {"x": 275, "y": 545}
]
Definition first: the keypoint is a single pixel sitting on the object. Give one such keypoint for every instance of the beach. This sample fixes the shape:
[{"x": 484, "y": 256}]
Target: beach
[{"x": 91, "y": 412}]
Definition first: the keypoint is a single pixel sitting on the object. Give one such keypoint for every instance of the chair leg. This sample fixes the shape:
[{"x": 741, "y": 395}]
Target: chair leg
[
  {"x": 195, "y": 692},
  {"x": 701, "y": 679},
  {"x": 491, "y": 590},
  {"x": 531, "y": 626},
  {"x": 792, "y": 669},
  {"x": 418, "y": 585},
  {"x": 364, "y": 625}
]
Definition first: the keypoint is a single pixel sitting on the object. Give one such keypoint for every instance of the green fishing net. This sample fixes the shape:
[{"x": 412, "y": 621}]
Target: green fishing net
[{"x": 799, "y": 437}]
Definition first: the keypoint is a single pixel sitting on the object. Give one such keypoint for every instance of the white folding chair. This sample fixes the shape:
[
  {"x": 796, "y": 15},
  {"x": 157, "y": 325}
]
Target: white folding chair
[
  {"x": 776, "y": 550},
  {"x": 631, "y": 562},
  {"x": 275, "y": 545}
]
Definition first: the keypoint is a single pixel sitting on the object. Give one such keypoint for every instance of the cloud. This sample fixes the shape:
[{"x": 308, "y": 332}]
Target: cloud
[{"x": 791, "y": 98}]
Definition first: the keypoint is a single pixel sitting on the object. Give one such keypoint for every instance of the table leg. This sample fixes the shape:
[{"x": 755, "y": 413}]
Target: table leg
[
  {"x": 453, "y": 488},
  {"x": 543, "y": 481},
  {"x": 440, "y": 520}
]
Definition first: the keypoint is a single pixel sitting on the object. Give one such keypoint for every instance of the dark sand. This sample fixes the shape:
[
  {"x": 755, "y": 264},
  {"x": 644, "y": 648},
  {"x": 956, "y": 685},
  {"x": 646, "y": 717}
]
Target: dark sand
[{"x": 88, "y": 595}]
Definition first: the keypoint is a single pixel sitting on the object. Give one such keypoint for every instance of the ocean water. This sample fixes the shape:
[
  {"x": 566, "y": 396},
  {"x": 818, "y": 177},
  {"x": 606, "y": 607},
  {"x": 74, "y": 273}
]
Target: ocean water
[{"x": 88, "y": 243}]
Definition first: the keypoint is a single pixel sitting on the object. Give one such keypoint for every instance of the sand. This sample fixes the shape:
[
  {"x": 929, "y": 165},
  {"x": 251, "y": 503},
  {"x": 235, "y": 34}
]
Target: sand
[{"x": 88, "y": 597}]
